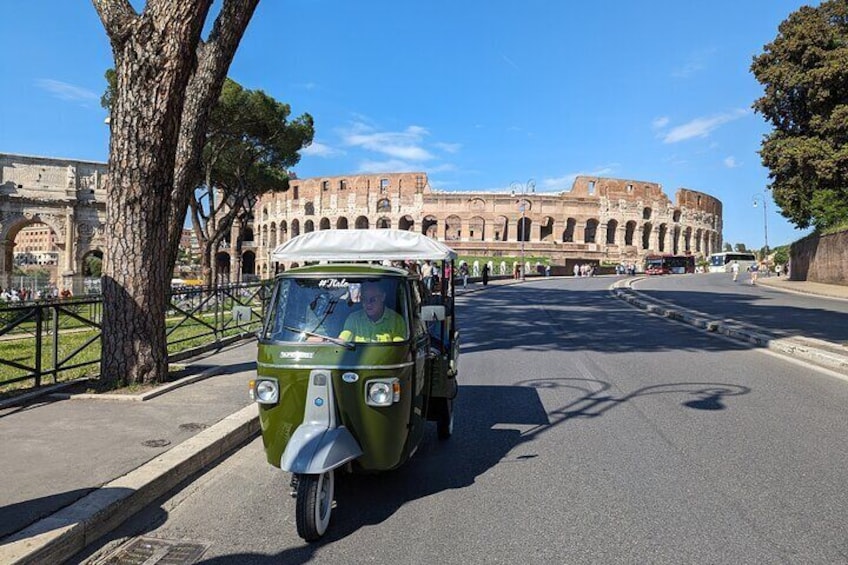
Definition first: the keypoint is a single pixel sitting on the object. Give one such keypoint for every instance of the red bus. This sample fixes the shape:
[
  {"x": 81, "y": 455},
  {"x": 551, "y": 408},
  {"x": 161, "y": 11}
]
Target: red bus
[{"x": 669, "y": 264}]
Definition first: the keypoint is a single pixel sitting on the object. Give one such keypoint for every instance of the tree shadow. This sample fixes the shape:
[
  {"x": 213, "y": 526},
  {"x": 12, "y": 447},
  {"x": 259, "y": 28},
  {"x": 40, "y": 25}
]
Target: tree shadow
[
  {"x": 492, "y": 421},
  {"x": 572, "y": 319},
  {"x": 20, "y": 515}
]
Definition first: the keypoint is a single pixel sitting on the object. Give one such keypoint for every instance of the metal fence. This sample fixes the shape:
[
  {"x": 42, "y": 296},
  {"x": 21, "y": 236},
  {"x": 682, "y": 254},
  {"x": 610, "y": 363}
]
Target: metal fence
[{"x": 50, "y": 341}]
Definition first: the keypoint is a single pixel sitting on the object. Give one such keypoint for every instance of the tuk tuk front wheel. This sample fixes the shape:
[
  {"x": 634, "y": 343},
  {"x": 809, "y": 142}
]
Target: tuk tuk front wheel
[
  {"x": 314, "y": 504},
  {"x": 444, "y": 422}
]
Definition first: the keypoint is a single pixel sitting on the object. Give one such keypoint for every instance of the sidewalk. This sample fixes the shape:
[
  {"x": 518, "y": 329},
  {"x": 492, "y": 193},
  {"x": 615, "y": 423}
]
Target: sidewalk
[
  {"x": 805, "y": 287},
  {"x": 73, "y": 469}
]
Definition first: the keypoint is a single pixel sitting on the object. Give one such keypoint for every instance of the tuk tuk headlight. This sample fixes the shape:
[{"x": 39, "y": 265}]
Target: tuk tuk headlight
[
  {"x": 265, "y": 391},
  {"x": 382, "y": 392}
]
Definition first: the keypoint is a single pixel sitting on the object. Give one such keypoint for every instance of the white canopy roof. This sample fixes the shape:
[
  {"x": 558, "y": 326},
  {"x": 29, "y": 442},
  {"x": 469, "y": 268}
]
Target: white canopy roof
[{"x": 362, "y": 245}]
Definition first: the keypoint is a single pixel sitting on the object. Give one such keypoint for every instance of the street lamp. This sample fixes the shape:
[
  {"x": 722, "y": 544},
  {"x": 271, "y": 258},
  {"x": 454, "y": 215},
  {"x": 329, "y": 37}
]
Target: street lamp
[
  {"x": 765, "y": 225},
  {"x": 522, "y": 189}
]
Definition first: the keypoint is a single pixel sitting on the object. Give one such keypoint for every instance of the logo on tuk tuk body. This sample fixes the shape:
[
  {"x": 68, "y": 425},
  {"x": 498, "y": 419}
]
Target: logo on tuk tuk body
[{"x": 297, "y": 354}]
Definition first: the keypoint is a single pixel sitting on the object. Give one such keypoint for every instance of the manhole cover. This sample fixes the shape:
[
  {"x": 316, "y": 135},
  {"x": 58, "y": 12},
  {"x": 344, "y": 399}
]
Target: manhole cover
[
  {"x": 149, "y": 551},
  {"x": 156, "y": 443},
  {"x": 193, "y": 427}
]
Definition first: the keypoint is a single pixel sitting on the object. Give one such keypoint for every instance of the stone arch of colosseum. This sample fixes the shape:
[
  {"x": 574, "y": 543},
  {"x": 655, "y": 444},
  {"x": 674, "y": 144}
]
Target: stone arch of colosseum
[
  {"x": 68, "y": 196},
  {"x": 596, "y": 219}
]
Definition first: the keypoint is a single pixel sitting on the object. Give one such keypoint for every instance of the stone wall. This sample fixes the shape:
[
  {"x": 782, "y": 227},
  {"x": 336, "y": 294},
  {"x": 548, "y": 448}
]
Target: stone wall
[
  {"x": 595, "y": 220},
  {"x": 822, "y": 259}
]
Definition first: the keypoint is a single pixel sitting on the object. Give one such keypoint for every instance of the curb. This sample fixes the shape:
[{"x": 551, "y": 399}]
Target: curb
[
  {"x": 158, "y": 391},
  {"x": 60, "y": 536},
  {"x": 792, "y": 347}
]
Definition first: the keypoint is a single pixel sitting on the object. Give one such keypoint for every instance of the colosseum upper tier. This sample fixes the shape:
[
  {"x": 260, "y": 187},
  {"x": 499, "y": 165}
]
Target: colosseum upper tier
[{"x": 598, "y": 220}]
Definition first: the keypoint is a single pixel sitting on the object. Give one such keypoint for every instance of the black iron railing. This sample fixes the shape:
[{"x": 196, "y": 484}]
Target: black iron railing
[{"x": 47, "y": 342}]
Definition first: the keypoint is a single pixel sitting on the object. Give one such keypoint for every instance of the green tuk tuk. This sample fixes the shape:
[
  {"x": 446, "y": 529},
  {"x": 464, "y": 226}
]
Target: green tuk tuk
[{"x": 356, "y": 354}]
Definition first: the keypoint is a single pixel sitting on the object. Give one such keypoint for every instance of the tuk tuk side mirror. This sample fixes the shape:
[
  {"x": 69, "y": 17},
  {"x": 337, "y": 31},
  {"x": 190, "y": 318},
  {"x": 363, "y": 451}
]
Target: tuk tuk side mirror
[{"x": 433, "y": 313}]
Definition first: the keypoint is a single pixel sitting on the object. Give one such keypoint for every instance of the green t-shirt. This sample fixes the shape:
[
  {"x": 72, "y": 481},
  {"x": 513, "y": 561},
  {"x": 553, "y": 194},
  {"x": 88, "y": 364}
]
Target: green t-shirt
[{"x": 359, "y": 327}]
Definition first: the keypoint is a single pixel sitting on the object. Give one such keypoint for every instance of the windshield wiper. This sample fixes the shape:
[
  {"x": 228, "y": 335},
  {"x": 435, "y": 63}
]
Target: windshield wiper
[{"x": 335, "y": 340}]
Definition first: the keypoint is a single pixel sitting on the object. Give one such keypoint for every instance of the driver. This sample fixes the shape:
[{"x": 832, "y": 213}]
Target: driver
[{"x": 374, "y": 322}]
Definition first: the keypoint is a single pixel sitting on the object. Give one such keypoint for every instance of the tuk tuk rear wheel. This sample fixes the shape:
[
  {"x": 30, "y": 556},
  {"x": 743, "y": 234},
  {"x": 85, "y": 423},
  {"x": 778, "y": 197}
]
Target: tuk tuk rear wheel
[
  {"x": 444, "y": 422},
  {"x": 314, "y": 504}
]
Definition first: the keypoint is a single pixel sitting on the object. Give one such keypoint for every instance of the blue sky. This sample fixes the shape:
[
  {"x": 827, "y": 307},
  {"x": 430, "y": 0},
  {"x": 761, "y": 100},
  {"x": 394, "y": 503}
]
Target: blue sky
[{"x": 475, "y": 93}]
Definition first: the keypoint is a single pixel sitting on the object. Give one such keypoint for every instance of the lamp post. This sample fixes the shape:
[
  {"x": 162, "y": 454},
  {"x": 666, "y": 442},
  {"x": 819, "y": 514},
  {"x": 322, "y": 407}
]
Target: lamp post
[
  {"x": 522, "y": 189},
  {"x": 762, "y": 198}
]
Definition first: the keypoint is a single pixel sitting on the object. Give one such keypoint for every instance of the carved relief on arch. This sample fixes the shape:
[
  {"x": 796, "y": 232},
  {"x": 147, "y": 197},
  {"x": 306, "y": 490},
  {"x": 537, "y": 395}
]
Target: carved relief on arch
[
  {"x": 476, "y": 204},
  {"x": 86, "y": 232},
  {"x": 15, "y": 221}
]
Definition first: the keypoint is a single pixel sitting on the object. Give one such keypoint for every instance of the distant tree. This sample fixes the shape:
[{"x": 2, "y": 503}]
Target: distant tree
[
  {"x": 94, "y": 265},
  {"x": 249, "y": 147},
  {"x": 740, "y": 248},
  {"x": 781, "y": 255},
  {"x": 167, "y": 80},
  {"x": 727, "y": 246},
  {"x": 805, "y": 75}
]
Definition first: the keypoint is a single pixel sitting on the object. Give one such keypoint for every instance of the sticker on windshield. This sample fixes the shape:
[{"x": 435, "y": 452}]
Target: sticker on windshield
[{"x": 333, "y": 283}]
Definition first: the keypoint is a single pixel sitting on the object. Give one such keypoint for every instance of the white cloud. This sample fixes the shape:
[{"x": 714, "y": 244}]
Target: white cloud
[
  {"x": 318, "y": 149},
  {"x": 510, "y": 62},
  {"x": 702, "y": 127},
  {"x": 696, "y": 62},
  {"x": 444, "y": 167},
  {"x": 448, "y": 147},
  {"x": 370, "y": 166},
  {"x": 564, "y": 182},
  {"x": 660, "y": 122},
  {"x": 730, "y": 162},
  {"x": 67, "y": 91},
  {"x": 405, "y": 145}
]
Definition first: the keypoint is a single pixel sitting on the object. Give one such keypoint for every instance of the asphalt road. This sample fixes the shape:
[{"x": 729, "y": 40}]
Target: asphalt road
[
  {"x": 587, "y": 432},
  {"x": 786, "y": 314}
]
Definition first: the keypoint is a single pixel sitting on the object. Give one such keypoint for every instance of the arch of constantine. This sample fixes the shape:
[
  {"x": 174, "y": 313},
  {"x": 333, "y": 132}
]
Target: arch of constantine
[
  {"x": 68, "y": 196},
  {"x": 598, "y": 219}
]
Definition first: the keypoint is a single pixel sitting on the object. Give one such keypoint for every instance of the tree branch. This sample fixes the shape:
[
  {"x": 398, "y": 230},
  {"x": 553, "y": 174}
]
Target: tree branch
[
  {"x": 213, "y": 60},
  {"x": 117, "y": 17}
]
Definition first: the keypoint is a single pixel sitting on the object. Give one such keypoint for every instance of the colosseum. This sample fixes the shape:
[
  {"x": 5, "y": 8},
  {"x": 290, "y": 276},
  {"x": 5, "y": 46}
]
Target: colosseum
[{"x": 599, "y": 220}]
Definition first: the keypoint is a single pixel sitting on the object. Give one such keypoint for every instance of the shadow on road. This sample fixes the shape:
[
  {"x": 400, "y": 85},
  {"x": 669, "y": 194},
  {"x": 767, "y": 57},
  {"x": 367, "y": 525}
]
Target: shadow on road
[{"x": 491, "y": 422}]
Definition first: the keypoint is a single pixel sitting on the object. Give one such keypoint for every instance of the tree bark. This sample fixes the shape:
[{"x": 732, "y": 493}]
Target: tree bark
[
  {"x": 155, "y": 56},
  {"x": 213, "y": 60}
]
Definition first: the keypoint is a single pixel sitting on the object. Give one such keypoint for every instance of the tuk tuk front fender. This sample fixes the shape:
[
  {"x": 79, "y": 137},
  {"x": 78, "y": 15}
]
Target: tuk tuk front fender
[
  {"x": 318, "y": 444},
  {"x": 315, "y": 449}
]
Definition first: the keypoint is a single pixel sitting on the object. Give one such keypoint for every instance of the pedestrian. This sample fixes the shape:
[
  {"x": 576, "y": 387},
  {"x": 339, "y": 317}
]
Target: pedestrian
[
  {"x": 734, "y": 268},
  {"x": 427, "y": 276},
  {"x": 755, "y": 271},
  {"x": 485, "y": 274},
  {"x": 548, "y": 270},
  {"x": 463, "y": 272},
  {"x": 576, "y": 270}
]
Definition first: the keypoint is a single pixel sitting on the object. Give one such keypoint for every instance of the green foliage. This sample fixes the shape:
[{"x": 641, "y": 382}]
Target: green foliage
[
  {"x": 740, "y": 248},
  {"x": 111, "y": 87},
  {"x": 727, "y": 246},
  {"x": 93, "y": 266},
  {"x": 781, "y": 255},
  {"x": 805, "y": 75},
  {"x": 251, "y": 143}
]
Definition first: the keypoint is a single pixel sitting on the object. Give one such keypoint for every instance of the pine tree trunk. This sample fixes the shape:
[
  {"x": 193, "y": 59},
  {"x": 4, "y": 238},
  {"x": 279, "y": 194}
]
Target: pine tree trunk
[{"x": 154, "y": 54}]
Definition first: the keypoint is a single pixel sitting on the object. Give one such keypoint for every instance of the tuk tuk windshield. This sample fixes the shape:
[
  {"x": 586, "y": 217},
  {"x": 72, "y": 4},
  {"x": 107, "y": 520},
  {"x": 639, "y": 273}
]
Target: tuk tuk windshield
[{"x": 339, "y": 310}]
